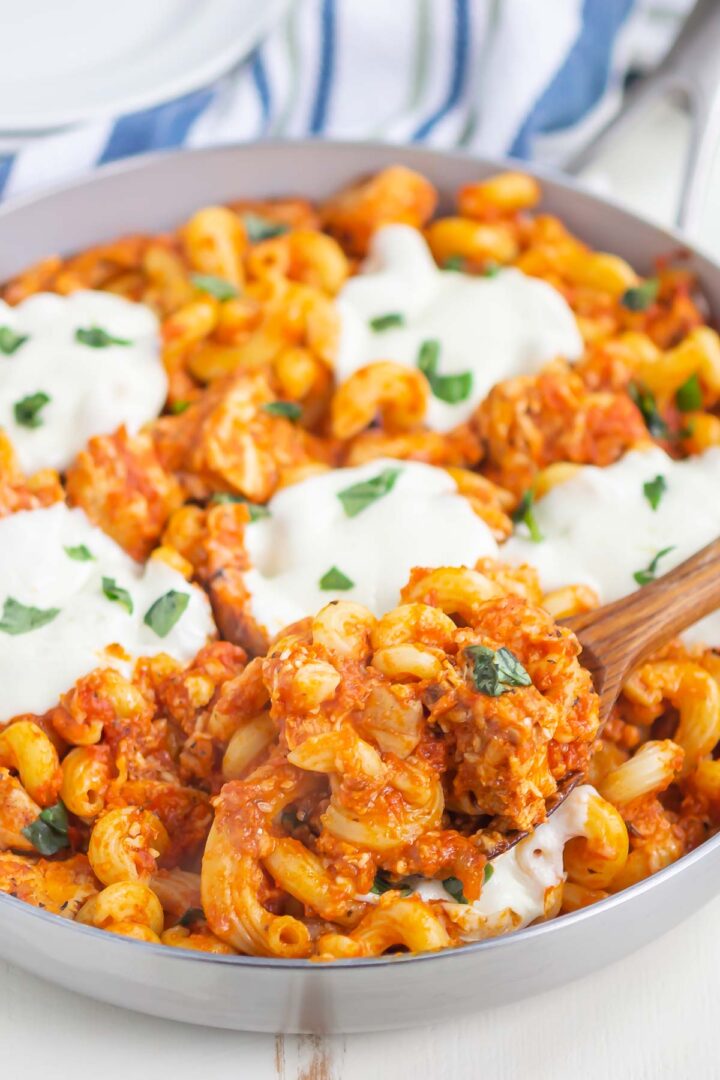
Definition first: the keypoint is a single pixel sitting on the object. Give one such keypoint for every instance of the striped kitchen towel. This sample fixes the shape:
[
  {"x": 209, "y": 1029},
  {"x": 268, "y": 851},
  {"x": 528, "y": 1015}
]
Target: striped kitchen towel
[{"x": 516, "y": 77}]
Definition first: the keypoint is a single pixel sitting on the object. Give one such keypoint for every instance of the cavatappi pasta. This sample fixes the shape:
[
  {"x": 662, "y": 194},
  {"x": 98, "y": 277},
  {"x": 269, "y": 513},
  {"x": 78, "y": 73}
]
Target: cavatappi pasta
[{"x": 315, "y": 719}]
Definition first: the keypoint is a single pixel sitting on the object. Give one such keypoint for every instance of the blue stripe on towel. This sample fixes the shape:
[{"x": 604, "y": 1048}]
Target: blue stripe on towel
[
  {"x": 159, "y": 128},
  {"x": 318, "y": 117},
  {"x": 461, "y": 40},
  {"x": 260, "y": 78}
]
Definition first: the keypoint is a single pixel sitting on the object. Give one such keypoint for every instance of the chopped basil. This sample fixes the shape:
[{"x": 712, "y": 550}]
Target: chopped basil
[
  {"x": 260, "y": 228},
  {"x": 640, "y": 297},
  {"x": 495, "y": 673},
  {"x": 644, "y": 577},
  {"x": 192, "y": 915},
  {"x": 80, "y": 553},
  {"x": 688, "y": 397},
  {"x": 653, "y": 490},
  {"x": 454, "y": 886},
  {"x": 214, "y": 286},
  {"x": 97, "y": 338},
  {"x": 449, "y": 388},
  {"x": 489, "y": 871},
  {"x": 114, "y": 592},
  {"x": 647, "y": 405},
  {"x": 382, "y": 884},
  {"x": 357, "y": 498},
  {"x": 48, "y": 833},
  {"x": 19, "y": 619},
  {"x": 10, "y": 342},
  {"x": 290, "y": 409},
  {"x": 336, "y": 580},
  {"x": 386, "y": 322},
  {"x": 524, "y": 513},
  {"x": 492, "y": 269},
  {"x": 255, "y": 510},
  {"x": 178, "y": 407},
  {"x": 27, "y": 410},
  {"x": 165, "y": 612},
  {"x": 454, "y": 262}
]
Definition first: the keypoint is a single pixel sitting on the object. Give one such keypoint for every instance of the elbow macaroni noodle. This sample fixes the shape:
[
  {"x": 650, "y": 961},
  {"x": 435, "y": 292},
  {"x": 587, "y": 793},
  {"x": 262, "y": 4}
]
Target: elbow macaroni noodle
[{"x": 339, "y": 790}]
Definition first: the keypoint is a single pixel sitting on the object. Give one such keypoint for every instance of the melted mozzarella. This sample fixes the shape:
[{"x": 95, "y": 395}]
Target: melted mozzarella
[
  {"x": 91, "y": 390},
  {"x": 37, "y": 666},
  {"x": 515, "y": 894},
  {"x": 495, "y": 327},
  {"x": 422, "y": 521},
  {"x": 599, "y": 528}
]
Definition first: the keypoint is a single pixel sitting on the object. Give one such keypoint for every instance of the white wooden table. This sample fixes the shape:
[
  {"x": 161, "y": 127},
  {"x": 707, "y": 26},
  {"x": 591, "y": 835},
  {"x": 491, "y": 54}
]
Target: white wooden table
[{"x": 650, "y": 1017}]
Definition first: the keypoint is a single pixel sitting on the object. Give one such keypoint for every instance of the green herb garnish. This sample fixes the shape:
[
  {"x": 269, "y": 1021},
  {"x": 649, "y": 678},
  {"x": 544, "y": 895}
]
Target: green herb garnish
[
  {"x": 178, "y": 407},
  {"x": 289, "y": 409},
  {"x": 80, "y": 553},
  {"x": 27, "y": 410},
  {"x": 97, "y": 338},
  {"x": 449, "y": 388},
  {"x": 492, "y": 270},
  {"x": 386, "y": 322},
  {"x": 454, "y": 262},
  {"x": 165, "y": 612},
  {"x": 495, "y": 673},
  {"x": 192, "y": 915},
  {"x": 114, "y": 592},
  {"x": 19, "y": 619},
  {"x": 524, "y": 513},
  {"x": 10, "y": 342},
  {"x": 640, "y": 297},
  {"x": 382, "y": 884},
  {"x": 48, "y": 833},
  {"x": 488, "y": 873},
  {"x": 218, "y": 287},
  {"x": 644, "y": 577},
  {"x": 454, "y": 886},
  {"x": 357, "y": 498},
  {"x": 335, "y": 580},
  {"x": 260, "y": 228},
  {"x": 256, "y": 510},
  {"x": 688, "y": 397},
  {"x": 653, "y": 490},
  {"x": 647, "y": 405}
]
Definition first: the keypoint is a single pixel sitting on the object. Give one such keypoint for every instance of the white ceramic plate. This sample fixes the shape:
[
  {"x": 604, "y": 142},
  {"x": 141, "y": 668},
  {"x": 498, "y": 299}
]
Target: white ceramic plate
[{"x": 64, "y": 61}]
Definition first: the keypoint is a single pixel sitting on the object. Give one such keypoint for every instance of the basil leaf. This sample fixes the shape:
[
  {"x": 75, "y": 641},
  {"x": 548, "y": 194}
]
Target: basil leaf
[
  {"x": 27, "y": 410},
  {"x": 283, "y": 408},
  {"x": 214, "y": 286},
  {"x": 357, "y": 498},
  {"x": 644, "y": 577},
  {"x": 386, "y": 322},
  {"x": 495, "y": 673},
  {"x": 178, "y": 407},
  {"x": 454, "y": 886},
  {"x": 653, "y": 490},
  {"x": 97, "y": 338},
  {"x": 449, "y": 388},
  {"x": 647, "y": 405},
  {"x": 81, "y": 553},
  {"x": 192, "y": 915},
  {"x": 382, "y": 884},
  {"x": 19, "y": 619},
  {"x": 10, "y": 342},
  {"x": 336, "y": 580},
  {"x": 454, "y": 262},
  {"x": 165, "y": 612},
  {"x": 114, "y": 592},
  {"x": 260, "y": 228},
  {"x": 524, "y": 513},
  {"x": 688, "y": 397},
  {"x": 492, "y": 270},
  {"x": 488, "y": 873},
  {"x": 48, "y": 833},
  {"x": 640, "y": 297},
  {"x": 256, "y": 510}
]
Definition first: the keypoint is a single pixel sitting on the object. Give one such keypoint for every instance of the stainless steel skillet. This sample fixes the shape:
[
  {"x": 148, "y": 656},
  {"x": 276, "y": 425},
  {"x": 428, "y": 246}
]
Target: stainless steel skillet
[{"x": 154, "y": 193}]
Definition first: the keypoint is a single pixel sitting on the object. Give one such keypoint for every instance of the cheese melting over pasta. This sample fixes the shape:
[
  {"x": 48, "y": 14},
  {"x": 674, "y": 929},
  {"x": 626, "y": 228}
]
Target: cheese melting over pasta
[
  {"x": 39, "y": 664},
  {"x": 420, "y": 521},
  {"x": 515, "y": 894},
  {"x": 599, "y": 528},
  {"x": 90, "y": 389},
  {"x": 492, "y": 327}
]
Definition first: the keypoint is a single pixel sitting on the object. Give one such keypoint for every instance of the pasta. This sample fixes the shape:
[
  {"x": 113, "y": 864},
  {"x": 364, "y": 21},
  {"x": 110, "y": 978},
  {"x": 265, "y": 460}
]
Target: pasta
[{"x": 333, "y": 775}]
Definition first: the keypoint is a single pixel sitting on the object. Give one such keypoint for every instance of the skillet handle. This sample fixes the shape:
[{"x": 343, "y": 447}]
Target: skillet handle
[{"x": 689, "y": 74}]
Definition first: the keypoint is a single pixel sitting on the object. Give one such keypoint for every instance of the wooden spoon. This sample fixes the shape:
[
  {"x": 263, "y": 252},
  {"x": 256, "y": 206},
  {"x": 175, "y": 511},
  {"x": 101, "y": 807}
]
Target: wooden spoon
[{"x": 617, "y": 637}]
